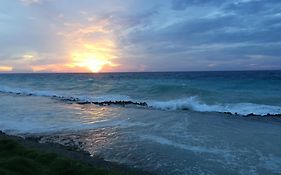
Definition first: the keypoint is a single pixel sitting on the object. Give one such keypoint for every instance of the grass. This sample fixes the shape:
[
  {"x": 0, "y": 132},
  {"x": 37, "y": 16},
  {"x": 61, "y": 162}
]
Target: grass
[{"x": 16, "y": 159}]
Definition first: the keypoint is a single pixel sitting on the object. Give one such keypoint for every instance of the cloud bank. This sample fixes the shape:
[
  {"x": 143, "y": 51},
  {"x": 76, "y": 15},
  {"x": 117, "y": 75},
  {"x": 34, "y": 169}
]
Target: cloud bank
[{"x": 160, "y": 35}]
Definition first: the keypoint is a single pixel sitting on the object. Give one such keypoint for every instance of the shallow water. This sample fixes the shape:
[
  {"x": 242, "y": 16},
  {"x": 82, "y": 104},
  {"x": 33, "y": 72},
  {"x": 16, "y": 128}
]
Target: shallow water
[{"x": 165, "y": 142}]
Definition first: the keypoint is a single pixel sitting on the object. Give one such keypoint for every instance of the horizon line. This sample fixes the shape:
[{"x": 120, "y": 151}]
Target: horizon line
[{"x": 138, "y": 72}]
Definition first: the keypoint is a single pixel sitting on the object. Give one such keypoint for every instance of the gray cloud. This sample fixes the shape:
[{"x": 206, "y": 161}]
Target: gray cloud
[
  {"x": 158, "y": 35},
  {"x": 236, "y": 30},
  {"x": 183, "y": 4}
]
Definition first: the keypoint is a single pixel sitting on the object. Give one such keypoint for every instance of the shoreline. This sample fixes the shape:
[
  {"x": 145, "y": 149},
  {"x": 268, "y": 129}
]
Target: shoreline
[{"x": 80, "y": 156}]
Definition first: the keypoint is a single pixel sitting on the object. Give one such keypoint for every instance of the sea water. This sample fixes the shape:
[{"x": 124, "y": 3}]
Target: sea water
[{"x": 181, "y": 129}]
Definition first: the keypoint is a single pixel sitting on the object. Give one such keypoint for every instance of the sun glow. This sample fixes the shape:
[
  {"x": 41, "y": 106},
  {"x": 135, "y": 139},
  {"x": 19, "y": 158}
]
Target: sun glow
[
  {"x": 90, "y": 61},
  {"x": 89, "y": 48},
  {"x": 5, "y": 68}
]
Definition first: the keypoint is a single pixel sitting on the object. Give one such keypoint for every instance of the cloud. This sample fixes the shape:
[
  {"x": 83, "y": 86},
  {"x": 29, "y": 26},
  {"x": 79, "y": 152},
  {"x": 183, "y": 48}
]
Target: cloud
[
  {"x": 30, "y": 1},
  {"x": 233, "y": 28},
  {"x": 142, "y": 35},
  {"x": 183, "y": 4}
]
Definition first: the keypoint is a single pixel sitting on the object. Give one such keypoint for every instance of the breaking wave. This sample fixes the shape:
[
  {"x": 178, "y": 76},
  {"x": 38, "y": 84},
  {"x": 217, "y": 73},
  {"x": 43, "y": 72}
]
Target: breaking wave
[
  {"x": 189, "y": 103},
  {"x": 193, "y": 103}
]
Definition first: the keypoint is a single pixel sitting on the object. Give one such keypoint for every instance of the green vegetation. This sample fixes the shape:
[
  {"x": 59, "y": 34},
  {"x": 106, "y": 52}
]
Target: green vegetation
[{"x": 18, "y": 160}]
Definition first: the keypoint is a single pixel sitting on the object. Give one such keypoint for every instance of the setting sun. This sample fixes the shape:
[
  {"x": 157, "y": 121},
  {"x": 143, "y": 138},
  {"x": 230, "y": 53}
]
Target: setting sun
[{"x": 90, "y": 61}]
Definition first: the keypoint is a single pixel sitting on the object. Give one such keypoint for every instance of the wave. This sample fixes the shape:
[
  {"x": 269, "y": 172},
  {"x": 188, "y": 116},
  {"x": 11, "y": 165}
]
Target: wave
[
  {"x": 64, "y": 97},
  {"x": 193, "y": 103},
  {"x": 190, "y": 103}
]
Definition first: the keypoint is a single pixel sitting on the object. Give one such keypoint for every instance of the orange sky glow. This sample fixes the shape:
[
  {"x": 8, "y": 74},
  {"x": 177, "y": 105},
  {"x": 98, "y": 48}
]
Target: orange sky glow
[
  {"x": 81, "y": 52},
  {"x": 138, "y": 36}
]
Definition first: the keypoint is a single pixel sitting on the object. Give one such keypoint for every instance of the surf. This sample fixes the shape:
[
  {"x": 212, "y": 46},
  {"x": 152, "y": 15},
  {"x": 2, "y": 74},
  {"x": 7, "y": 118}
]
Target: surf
[{"x": 192, "y": 103}]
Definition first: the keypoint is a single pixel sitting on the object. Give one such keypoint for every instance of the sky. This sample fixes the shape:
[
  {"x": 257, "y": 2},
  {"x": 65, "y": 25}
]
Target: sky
[{"x": 139, "y": 35}]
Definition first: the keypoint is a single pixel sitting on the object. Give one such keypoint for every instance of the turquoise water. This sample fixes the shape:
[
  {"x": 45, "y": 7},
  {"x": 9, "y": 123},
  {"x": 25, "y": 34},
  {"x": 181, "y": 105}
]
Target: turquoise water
[
  {"x": 256, "y": 92},
  {"x": 183, "y": 129}
]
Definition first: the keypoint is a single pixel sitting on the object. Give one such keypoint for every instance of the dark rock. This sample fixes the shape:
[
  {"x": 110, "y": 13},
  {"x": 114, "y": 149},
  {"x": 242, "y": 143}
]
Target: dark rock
[
  {"x": 229, "y": 113},
  {"x": 252, "y": 115}
]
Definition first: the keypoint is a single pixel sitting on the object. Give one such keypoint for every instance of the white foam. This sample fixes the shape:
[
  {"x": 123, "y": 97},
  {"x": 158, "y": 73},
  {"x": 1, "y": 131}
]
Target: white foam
[
  {"x": 190, "y": 103},
  {"x": 193, "y": 103},
  {"x": 23, "y": 91}
]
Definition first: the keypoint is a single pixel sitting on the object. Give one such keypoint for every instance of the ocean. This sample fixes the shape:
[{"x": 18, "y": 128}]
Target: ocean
[{"x": 225, "y": 122}]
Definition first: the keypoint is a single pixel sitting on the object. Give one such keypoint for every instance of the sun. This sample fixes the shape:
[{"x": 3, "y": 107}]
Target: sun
[
  {"x": 90, "y": 61},
  {"x": 93, "y": 64}
]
